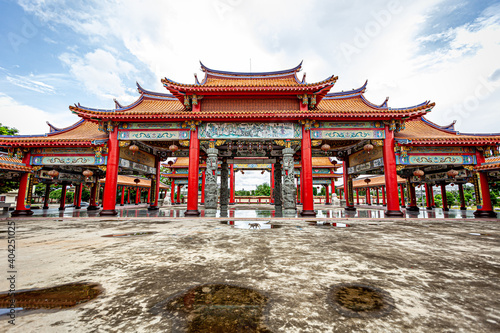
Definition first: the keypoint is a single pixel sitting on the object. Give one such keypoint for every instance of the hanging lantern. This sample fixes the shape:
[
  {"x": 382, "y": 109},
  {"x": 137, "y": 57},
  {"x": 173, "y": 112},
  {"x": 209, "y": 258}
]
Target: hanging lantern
[
  {"x": 87, "y": 173},
  {"x": 263, "y": 172},
  {"x": 170, "y": 163},
  {"x": 173, "y": 148},
  {"x": 418, "y": 173},
  {"x": 452, "y": 173},
  {"x": 53, "y": 173},
  {"x": 325, "y": 147},
  {"x": 368, "y": 147},
  {"x": 452, "y": 185},
  {"x": 133, "y": 148},
  {"x": 242, "y": 172},
  {"x": 137, "y": 181},
  {"x": 367, "y": 181}
]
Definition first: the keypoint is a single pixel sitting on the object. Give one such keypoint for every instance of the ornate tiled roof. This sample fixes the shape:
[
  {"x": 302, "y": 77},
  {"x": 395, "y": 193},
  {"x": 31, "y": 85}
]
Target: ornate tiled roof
[
  {"x": 423, "y": 132},
  {"x": 81, "y": 133},
  {"x": 490, "y": 163},
  {"x": 13, "y": 164}
]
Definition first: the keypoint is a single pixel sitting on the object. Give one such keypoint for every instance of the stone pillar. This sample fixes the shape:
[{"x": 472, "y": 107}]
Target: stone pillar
[
  {"x": 109, "y": 198},
  {"x": 62, "y": 202},
  {"x": 462, "y": 197},
  {"x": 289, "y": 195},
  {"x": 46, "y": 198},
  {"x": 194, "y": 172},
  {"x": 413, "y": 207},
  {"x": 231, "y": 185},
  {"x": 224, "y": 188},
  {"x": 391, "y": 178},
  {"x": 443, "y": 196},
  {"x": 277, "y": 193},
  {"x": 203, "y": 177},
  {"x": 211, "y": 194},
  {"x": 433, "y": 202},
  {"x": 23, "y": 204},
  {"x": 122, "y": 199}
]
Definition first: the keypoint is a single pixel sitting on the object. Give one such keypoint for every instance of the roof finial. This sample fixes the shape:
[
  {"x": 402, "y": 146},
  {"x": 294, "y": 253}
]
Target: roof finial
[
  {"x": 196, "y": 78},
  {"x": 304, "y": 78}
]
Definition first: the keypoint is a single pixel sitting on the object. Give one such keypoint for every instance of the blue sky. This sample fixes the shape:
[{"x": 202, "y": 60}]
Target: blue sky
[{"x": 56, "y": 52}]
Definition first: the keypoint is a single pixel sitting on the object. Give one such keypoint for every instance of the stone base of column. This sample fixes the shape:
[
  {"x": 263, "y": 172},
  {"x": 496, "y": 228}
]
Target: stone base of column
[
  {"x": 428, "y": 208},
  {"x": 485, "y": 213},
  {"x": 62, "y": 208},
  {"x": 108, "y": 212},
  {"x": 45, "y": 207},
  {"x": 289, "y": 213},
  {"x": 27, "y": 212},
  {"x": 393, "y": 213},
  {"x": 92, "y": 208},
  {"x": 446, "y": 209},
  {"x": 299, "y": 203},
  {"x": 232, "y": 203},
  {"x": 210, "y": 212},
  {"x": 413, "y": 209},
  {"x": 350, "y": 209},
  {"x": 153, "y": 208},
  {"x": 122, "y": 205},
  {"x": 463, "y": 208},
  {"x": 78, "y": 207},
  {"x": 136, "y": 203},
  {"x": 192, "y": 213},
  {"x": 329, "y": 204},
  {"x": 308, "y": 213}
]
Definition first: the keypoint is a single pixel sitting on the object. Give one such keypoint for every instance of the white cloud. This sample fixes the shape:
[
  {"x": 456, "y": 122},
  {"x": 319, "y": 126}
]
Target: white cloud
[
  {"x": 31, "y": 83},
  {"x": 101, "y": 73}
]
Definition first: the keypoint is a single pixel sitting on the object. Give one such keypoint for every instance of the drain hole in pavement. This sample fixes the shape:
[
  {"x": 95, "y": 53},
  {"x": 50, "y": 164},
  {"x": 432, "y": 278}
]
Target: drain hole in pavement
[
  {"x": 360, "y": 301},
  {"x": 252, "y": 224},
  {"x": 64, "y": 296},
  {"x": 130, "y": 234},
  {"x": 216, "y": 308}
]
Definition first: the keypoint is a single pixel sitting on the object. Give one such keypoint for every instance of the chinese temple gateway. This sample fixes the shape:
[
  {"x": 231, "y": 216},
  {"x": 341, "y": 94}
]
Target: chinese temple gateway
[{"x": 235, "y": 119}]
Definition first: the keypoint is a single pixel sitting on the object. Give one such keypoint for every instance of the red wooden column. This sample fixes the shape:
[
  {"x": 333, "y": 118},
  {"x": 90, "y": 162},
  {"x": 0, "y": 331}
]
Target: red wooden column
[
  {"x": 299, "y": 189},
  {"x": 62, "y": 203},
  {"x": 341, "y": 191},
  {"x": 413, "y": 207},
  {"x": 137, "y": 195},
  {"x": 433, "y": 202},
  {"x": 77, "y": 202},
  {"x": 462, "y": 197},
  {"x": 378, "y": 198},
  {"x": 193, "y": 173},
  {"x": 109, "y": 198},
  {"x": 357, "y": 196},
  {"x": 128, "y": 195},
  {"x": 23, "y": 204},
  {"x": 271, "y": 181},
  {"x": 93, "y": 196},
  {"x": 391, "y": 180},
  {"x": 428, "y": 196},
  {"x": 46, "y": 198},
  {"x": 203, "y": 175},
  {"x": 383, "y": 196},
  {"x": 179, "y": 194},
  {"x": 484, "y": 207},
  {"x": 172, "y": 192},
  {"x": 122, "y": 196},
  {"x": 445, "y": 199},
  {"x": 155, "y": 186},
  {"x": 307, "y": 179},
  {"x": 402, "y": 190},
  {"x": 368, "y": 196},
  {"x": 328, "y": 202},
  {"x": 231, "y": 185}
]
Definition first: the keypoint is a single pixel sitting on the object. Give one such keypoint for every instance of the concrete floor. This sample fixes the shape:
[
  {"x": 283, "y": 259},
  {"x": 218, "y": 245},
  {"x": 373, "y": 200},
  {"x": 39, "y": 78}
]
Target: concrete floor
[{"x": 442, "y": 273}]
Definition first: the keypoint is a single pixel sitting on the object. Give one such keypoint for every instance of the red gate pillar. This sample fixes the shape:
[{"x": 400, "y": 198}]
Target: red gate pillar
[
  {"x": 328, "y": 202},
  {"x": 148, "y": 201},
  {"x": 231, "y": 185},
  {"x": 137, "y": 195},
  {"x": 378, "y": 198},
  {"x": 368, "y": 196},
  {"x": 23, "y": 204},
  {"x": 348, "y": 191},
  {"x": 122, "y": 199},
  {"x": 462, "y": 197},
  {"x": 402, "y": 190},
  {"x": 109, "y": 198},
  {"x": 428, "y": 196},
  {"x": 172, "y": 192},
  {"x": 128, "y": 195},
  {"x": 484, "y": 208},
  {"x": 93, "y": 196},
  {"x": 272, "y": 183},
  {"x": 193, "y": 174},
  {"x": 62, "y": 202},
  {"x": 78, "y": 196},
  {"x": 433, "y": 203},
  {"x": 179, "y": 194},
  {"x": 383, "y": 196},
  {"x": 155, "y": 186},
  {"x": 391, "y": 178},
  {"x": 46, "y": 198},
  {"x": 357, "y": 196},
  {"x": 203, "y": 175},
  {"x": 307, "y": 179},
  {"x": 413, "y": 207},
  {"x": 445, "y": 199}
]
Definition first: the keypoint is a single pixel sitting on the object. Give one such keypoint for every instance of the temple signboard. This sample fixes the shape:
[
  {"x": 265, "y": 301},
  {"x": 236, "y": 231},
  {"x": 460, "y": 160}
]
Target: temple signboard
[
  {"x": 250, "y": 131},
  {"x": 67, "y": 156}
]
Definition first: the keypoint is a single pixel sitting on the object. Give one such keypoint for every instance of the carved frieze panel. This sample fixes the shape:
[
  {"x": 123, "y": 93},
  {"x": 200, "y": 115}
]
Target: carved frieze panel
[
  {"x": 250, "y": 131},
  {"x": 147, "y": 135},
  {"x": 341, "y": 134}
]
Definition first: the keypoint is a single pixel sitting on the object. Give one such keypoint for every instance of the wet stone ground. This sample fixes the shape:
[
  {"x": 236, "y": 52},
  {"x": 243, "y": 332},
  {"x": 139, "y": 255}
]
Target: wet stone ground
[{"x": 442, "y": 275}]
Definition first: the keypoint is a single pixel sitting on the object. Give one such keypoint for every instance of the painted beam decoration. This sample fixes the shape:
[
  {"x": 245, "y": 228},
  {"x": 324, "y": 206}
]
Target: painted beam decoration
[
  {"x": 253, "y": 166},
  {"x": 140, "y": 157},
  {"x": 152, "y": 131},
  {"x": 436, "y": 155},
  {"x": 375, "y": 164},
  {"x": 322, "y": 181},
  {"x": 250, "y": 131},
  {"x": 461, "y": 177},
  {"x": 126, "y": 164},
  {"x": 349, "y": 130},
  {"x": 67, "y": 156}
]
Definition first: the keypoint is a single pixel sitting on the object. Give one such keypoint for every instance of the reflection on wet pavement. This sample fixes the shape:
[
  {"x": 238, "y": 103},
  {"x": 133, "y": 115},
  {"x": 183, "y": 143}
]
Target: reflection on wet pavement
[{"x": 252, "y": 224}]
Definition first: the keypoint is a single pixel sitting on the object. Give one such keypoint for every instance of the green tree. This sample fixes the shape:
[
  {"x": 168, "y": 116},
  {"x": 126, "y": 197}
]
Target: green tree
[
  {"x": 5, "y": 130},
  {"x": 315, "y": 191},
  {"x": 263, "y": 190}
]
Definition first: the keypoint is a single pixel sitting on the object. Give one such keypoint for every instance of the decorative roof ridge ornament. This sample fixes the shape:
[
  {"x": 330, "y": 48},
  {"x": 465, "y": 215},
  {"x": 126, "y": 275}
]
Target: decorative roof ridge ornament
[
  {"x": 117, "y": 104},
  {"x": 295, "y": 69},
  {"x": 384, "y": 104}
]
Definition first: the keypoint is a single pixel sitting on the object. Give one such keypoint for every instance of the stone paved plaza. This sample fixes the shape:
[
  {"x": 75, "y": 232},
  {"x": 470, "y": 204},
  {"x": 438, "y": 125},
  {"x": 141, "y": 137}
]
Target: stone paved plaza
[{"x": 441, "y": 273}]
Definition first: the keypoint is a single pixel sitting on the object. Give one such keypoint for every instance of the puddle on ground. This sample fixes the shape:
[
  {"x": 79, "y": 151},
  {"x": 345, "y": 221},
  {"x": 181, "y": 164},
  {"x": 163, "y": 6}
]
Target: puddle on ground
[
  {"x": 328, "y": 224},
  {"x": 59, "y": 297},
  {"x": 131, "y": 234},
  {"x": 474, "y": 234},
  {"x": 216, "y": 308},
  {"x": 362, "y": 301},
  {"x": 256, "y": 225}
]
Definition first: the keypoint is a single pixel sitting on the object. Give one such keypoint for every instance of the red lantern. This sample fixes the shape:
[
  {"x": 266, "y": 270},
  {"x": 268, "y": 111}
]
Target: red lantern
[
  {"x": 368, "y": 147},
  {"x": 325, "y": 147},
  {"x": 173, "y": 148},
  {"x": 53, "y": 173},
  {"x": 452, "y": 173},
  {"x": 418, "y": 173},
  {"x": 367, "y": 181},
  {"x": 170, "y": 163},
  {"x": 133, "y": 149},
  {"x": 137, "y": 181},
  {"x": 87, "y": 173}
]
